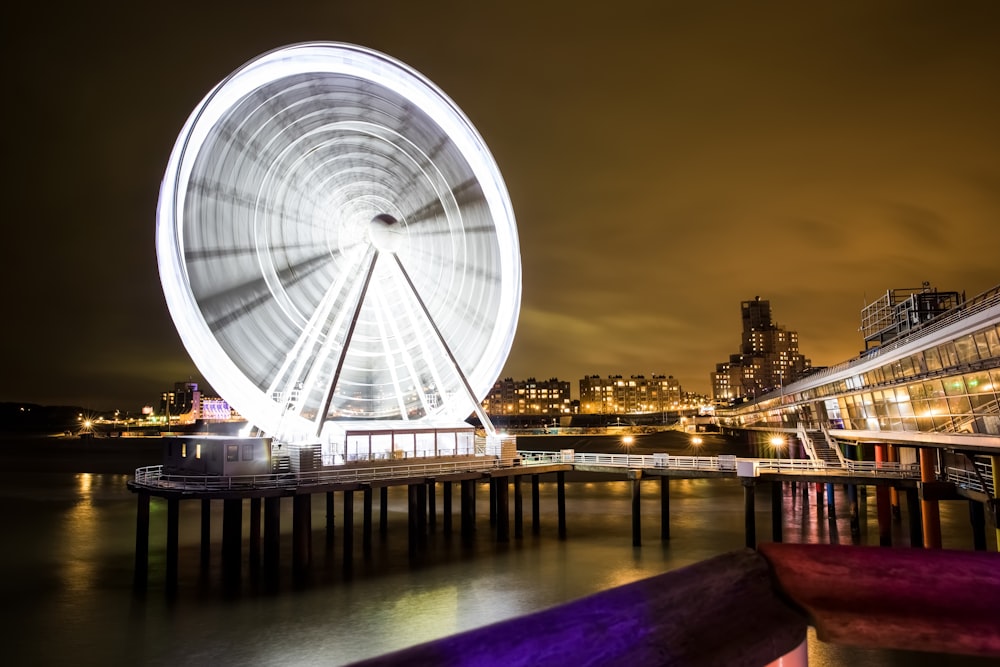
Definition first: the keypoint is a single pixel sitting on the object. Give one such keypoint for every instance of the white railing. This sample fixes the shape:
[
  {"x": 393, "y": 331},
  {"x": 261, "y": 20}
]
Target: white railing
[
  {"x": 968, "y": 479},
  {"x": 153, "y": 476}
]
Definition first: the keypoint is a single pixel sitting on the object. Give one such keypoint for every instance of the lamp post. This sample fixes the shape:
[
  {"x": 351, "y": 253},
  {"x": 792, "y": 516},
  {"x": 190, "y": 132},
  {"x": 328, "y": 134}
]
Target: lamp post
[
  {"x": 777, "y": 442},
  {"x": 627, "y": 444}
]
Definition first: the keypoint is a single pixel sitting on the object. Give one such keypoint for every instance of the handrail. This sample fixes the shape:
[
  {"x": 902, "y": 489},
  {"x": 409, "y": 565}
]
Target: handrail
[
  {"x": 153, "y": 476},
  {"x": 968, "y": 479}
]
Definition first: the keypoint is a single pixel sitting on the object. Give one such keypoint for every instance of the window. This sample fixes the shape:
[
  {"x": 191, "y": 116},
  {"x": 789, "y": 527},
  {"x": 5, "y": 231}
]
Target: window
[
  {"x": 197, "y": 451},
  {"x": 184, "y": 450},
  {"x": 248, "y": 452},
  {"x": 232, "y": 452}
]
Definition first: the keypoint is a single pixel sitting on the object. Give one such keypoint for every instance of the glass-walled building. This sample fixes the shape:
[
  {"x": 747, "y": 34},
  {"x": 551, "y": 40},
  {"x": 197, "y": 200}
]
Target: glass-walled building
[{"x": 943, "y": 377}]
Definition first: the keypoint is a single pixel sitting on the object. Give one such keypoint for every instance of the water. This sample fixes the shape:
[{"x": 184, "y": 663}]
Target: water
[{"x": 69, "y": 542}]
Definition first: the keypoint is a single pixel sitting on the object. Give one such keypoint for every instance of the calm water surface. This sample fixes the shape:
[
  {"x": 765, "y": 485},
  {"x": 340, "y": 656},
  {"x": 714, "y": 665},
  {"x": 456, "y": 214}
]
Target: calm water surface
[{"x": 69, "y": 543}]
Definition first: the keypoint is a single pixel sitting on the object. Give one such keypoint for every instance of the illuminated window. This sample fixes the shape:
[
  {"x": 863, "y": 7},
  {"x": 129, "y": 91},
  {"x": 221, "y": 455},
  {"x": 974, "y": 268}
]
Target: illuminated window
[
  {"x": 197, "y": 451},
  {"x": 184, "y": 450}
]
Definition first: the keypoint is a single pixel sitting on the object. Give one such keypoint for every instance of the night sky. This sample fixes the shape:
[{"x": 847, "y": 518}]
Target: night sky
[{"x": 666, "y": 160}]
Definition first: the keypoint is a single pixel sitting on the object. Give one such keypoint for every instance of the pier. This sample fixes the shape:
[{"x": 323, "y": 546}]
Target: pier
[{"x": 434, "y": 487}]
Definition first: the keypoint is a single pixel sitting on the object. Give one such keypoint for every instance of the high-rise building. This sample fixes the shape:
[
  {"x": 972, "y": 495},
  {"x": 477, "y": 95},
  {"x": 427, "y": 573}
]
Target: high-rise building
[
  {"x": 768, "y": 358},
  {"x": 635, "y": 394},
  {"x": 528, "y": 397}
]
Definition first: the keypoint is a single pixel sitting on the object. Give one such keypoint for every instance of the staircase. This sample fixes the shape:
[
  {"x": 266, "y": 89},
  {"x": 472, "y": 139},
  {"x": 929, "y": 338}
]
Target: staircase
[{"x": 821, "y": 449}]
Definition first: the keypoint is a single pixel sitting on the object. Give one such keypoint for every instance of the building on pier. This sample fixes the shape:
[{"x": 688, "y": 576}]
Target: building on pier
[{"x": 929, "y": 395}]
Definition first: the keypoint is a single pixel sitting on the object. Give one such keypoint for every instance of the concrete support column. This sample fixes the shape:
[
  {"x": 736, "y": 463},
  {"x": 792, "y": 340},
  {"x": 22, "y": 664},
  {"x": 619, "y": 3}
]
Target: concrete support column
[
  {"x": 892, "y": 455},
  {"x": 635, "y": 477},
  {"x": 348, "y": 528},
  {"x": 502, "y": 488},
  {"x": 431, "y": 505},
  {"x": 301, "y": 533},
  {"x": 383, "y": 512},
  {"x": 493, "y": 502},
  {"x": 232, "y": 538},
  {"x": 518, "y": 506},
  {"x": 749, "y": 513},
  {"x": 536, "y": 522},
  {"x": 929, "y": 508},
  {"x": 446, "y": 510},
  {"x": 852, "y": 499},
  {"x": 331, "y": 522},
  {"x": 254, "y": 535},
  {"x": 173, "y": 521},
  {"x": 411, "y": 522},
  {"x": 272, "y": 536},
  {"x": 366, "y": 522},
  {"x": 977, "y": 517},
  {"x": 421, "y": 515},
  {"x": 140, "y": 572},
  {"x": 468, "y": 492},
  {"x": 913, "y": 512},
  {"x": 206, "y": 533},
  {"x": 664, "y": 508},
  {"x": 883, "y": 501},
  {"x": 819, "y": 499},
  {"x": 777, "y": 518},
  {"x": 561, "y": 502}
]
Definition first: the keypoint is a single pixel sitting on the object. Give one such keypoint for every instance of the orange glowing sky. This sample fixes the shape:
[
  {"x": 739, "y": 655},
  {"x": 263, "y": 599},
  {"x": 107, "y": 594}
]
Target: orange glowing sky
[{"x": 666, "y": 160}]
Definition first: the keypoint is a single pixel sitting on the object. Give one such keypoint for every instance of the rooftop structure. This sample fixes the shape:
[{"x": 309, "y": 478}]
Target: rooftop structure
[{"x": 902, "y": 310}]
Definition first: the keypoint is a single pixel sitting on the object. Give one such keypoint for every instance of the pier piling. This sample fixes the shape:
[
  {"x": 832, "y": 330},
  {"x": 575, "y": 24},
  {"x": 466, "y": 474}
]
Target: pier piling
[{"x": 140, "y": 575}]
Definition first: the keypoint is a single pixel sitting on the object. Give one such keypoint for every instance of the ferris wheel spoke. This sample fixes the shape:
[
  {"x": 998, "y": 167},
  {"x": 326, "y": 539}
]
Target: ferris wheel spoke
[
  {"x": 484, "y": 420},
  {"x": 345, "y": 346},
  {"x": 383, "y": 319},
  {"x": 295, "y": 375}
]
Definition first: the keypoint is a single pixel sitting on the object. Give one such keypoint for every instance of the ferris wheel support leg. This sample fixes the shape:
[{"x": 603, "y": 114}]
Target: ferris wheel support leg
[
  {"x": 321, "y": 417},
  {"x": 483, "y": 417}
]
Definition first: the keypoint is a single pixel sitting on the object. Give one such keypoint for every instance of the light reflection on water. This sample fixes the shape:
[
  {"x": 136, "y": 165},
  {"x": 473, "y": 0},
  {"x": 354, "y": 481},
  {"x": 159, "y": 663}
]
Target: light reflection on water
[{"x": 75, "y": 536}]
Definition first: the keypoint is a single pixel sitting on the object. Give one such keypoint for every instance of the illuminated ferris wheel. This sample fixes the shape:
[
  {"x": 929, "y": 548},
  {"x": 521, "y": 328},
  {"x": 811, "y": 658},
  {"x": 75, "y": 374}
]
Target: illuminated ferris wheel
[{"x": 335, "y": 242}]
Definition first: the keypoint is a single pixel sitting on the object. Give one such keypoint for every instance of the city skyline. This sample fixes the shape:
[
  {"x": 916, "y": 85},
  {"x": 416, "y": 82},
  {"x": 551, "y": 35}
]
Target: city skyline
[{"x": 665, "y": 163}]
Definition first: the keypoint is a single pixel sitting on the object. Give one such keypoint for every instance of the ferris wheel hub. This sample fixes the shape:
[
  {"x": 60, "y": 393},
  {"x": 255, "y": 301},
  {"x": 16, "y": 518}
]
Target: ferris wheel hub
[{"x": 386, "y": 233}]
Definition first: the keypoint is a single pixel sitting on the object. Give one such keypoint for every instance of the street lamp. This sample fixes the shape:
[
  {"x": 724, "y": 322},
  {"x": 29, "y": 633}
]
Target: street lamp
[
  {"x": 627, "y": 444},
  {"x": 777, "y": 442}
]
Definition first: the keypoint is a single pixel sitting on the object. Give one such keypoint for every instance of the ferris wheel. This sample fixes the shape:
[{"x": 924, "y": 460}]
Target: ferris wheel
[{"x": 335, "y": 242}]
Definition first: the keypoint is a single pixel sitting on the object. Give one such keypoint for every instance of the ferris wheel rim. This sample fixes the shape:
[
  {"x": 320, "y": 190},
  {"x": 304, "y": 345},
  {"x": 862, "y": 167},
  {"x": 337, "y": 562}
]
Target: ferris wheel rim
[{"x": 304, "y": 58}]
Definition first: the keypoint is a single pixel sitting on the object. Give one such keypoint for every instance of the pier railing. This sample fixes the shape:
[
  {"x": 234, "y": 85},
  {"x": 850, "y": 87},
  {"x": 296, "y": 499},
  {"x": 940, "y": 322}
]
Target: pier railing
[
  {"x": 154, "y": 476},
  {"x": 968, "y": 479},
  {"x": 721, "y": 463}
]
